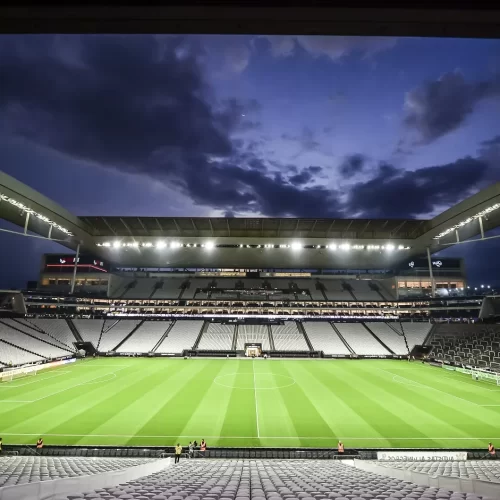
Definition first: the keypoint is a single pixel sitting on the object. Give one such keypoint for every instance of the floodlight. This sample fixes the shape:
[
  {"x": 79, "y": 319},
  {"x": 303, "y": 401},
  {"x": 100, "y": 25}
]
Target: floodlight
[
  {"x": 209, "y": 245},
  {"x": 345, "y": 246},
  {"x": 135, "y": 244},
  {"x": 106, "y": 244},
  {"x": 241, "y": 245},
  {"x": 482, "y": 286},
  {"x": 161, "y": 244},
  {"x": 489, "y": 286},
  {"x": 296, "y": 246},
  {"x": 116, "y": 244},
  {"x": 389, "y": 247},
  {"x": 175, "y": 244}
]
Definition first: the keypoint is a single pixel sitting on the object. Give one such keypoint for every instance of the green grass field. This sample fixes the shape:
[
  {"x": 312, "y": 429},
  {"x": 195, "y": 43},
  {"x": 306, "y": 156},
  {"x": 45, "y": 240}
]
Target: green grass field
[{"x": 282, "y": 403}]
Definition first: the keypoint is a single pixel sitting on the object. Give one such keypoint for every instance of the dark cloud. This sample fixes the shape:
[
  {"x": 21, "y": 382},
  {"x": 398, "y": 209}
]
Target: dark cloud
[
  {"x": 352, "y": 165},
  {"x": 306, "y": 140},
  {"x": 441, "y": 106},
  {"x": 398, "y": 193},
  {"x": 305, "y": 176},
  {"x": 333, "y": 47},
  {"x": 141, "y": 104},
  {"x": 491, "y": 142}
]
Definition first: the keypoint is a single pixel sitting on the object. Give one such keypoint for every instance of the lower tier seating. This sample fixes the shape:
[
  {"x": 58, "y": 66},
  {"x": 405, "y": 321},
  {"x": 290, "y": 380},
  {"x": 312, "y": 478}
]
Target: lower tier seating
[
  {"x": 482, "y": 470},
  {"x": 324, "y": 338},
  {"x": 271, "y": 480},
  {"x": 287, "y": 337},
  {"x": 22, "y": 470},
  {"x": 218, "y": 337}
]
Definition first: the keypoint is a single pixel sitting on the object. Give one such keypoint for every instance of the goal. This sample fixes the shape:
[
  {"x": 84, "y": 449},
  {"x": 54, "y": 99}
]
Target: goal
[
  {"x": 484, "y": 376},
  {"x": 15, "y": 373}
]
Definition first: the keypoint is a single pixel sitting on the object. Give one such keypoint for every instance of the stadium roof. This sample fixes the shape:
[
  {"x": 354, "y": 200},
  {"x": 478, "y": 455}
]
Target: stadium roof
[{"x": 242, "y": 242}]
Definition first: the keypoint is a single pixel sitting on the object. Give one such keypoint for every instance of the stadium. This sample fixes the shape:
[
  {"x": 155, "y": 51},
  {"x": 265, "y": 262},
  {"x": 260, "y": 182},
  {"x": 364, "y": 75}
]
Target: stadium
[{"x": 277, "y": 358}]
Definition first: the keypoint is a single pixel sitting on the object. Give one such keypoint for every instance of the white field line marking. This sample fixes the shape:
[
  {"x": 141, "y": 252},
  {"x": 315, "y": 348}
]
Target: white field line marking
[
  {"x": 331, "y": 438},
  {"x": 255, "y": 398},
  {"x": 38, "y": 379},
  {"x": 413, "y": 383},
  {"x": 88, "y": 382}
]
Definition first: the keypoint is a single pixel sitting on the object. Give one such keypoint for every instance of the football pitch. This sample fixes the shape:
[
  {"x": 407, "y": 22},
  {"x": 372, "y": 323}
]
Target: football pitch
[{"x": 230, "y": 402}]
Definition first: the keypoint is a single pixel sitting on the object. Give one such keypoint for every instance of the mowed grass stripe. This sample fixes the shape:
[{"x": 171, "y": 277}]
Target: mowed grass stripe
[
  {"x": 176, "y": 397},
  {"x": 460, "y": 418},
  {"x": 340, "y": 416},
  {"x": 240, "y": 418},
  {"x": 80, "y": 407}
]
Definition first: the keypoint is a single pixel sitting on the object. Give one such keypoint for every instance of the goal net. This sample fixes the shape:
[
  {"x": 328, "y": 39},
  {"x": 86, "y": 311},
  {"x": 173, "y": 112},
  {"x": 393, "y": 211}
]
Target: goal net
[
  {"x": 16, "y": 373},
  {"x": 484, "y": 376}
]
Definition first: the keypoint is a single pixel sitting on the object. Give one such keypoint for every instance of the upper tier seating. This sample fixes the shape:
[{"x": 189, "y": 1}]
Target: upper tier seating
[
  {"x": 288, "y": 338},
  {"x": 143, "y": 288},
  {"x": 482, "y": 470},
  {"x": 30, "y": 343},
  {"x": 89, "y": 329},
  {"x": 171, "y": 288},
  {"x": 56, "y": 328},
  {"x": 182, "y": 336},
  {"x": 114, "y": 332},
  {"x": 362, "y": 291},
  {"x": 270, "y": 479},
  {"x": 361, "y": 341},
  {"x": 324, "y": 338},
  {"x": 22, "y": 470},
  {"x": 145, "y": 337},
  {"x": 217, "y": 337},
  {"x": 253, "y": 334}
]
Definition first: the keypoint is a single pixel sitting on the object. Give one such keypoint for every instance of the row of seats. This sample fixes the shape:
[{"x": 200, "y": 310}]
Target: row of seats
[
  {"x": 481, "y": 470},
  {"x": 318, "y": 288},
  {"x": 22, "y": 470},
  {"x": 270, "y": 480}
]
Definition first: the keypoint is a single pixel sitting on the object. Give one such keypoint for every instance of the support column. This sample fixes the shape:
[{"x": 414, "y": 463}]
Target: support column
[
  {"x": 481, "y": 227},
  {"x": 433, "y": 285},
  {"x": 50, "y": 232},
  {"x": 26, "y": 223},
  {"x": 74, "y": 269}
]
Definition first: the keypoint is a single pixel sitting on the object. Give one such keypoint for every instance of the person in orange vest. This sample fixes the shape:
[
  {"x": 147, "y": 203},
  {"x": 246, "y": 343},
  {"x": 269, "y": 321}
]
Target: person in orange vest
[
  {"x": 203, "y": 447},
  {"x": 492, "y": 452},
  {"x": 39, "y": 444},
  {"x": 340, "y": 448}
]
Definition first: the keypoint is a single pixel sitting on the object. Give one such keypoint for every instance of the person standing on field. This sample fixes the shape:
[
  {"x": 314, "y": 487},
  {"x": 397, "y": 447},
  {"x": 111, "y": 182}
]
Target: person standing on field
[
  {"x": 340, "y": 448},
  {"x": 191, "y": 449},
  {"x": 39, "y": 444},
  {"x": 492, "y": 452},
  {"x": 178, "y": 451},
  {"x": 203, "y": 448}
]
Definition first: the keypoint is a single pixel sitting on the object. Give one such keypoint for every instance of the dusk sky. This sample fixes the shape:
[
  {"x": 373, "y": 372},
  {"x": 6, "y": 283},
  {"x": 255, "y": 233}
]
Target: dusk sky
[{"x": 249, "y": 126}]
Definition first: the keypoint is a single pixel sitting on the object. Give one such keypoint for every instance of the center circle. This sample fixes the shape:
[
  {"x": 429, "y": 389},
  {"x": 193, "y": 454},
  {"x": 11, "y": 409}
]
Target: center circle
[{"x": 254, "y": 381}]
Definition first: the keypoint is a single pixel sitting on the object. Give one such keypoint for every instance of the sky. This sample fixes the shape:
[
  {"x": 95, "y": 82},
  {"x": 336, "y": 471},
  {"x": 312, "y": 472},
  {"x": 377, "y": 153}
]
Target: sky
[{"x": 272, "y": 126}]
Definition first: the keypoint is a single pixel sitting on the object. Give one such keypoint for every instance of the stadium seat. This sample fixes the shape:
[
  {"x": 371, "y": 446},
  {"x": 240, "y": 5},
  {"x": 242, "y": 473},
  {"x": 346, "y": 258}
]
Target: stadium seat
[{"x": 270, "y": 480}]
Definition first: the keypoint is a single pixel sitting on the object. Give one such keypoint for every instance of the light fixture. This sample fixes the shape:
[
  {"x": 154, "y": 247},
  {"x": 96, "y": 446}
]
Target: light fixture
[
  {"x": 209, "y": 245},
  {"x": 134, "y": 244},
  {"x": 296, "y": 246},
  {"x": 241, "y": 245},
  {"x": 345, "y": 246},
  {"x": 106, "y": 244},
  {"x": 43, "y": 218},
  {"x": 332, "y": 246},
  {"x": 175, "y": 244},
  {"x": 389, "y": 247},
  {"x": 161, "y": 244},
  {"x": 116, "y": 244}
]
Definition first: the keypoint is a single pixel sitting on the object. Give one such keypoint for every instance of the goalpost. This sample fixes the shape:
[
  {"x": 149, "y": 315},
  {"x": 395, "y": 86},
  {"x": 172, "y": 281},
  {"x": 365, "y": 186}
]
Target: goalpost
[
  {"x": 485, "y": 376},
  {"x": 13, "y": 374}
]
